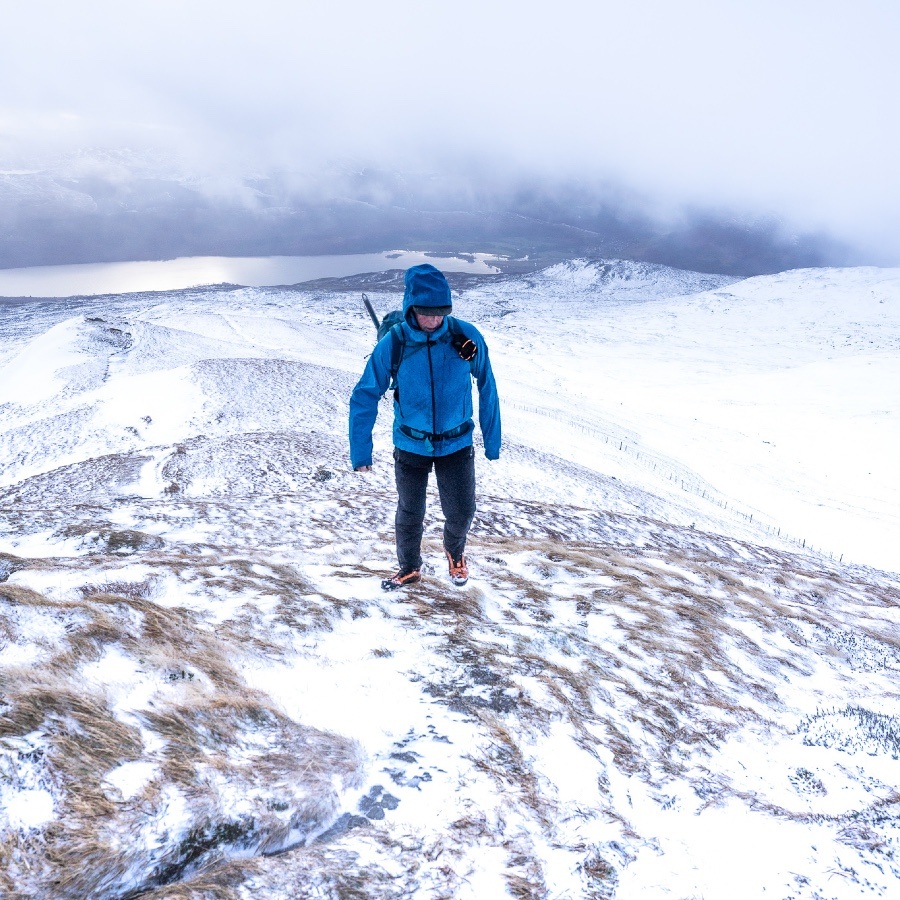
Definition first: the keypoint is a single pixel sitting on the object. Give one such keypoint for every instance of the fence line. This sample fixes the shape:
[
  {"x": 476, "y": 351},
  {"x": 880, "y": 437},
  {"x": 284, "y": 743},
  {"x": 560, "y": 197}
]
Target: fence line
[{"x": 673, "y": 473}]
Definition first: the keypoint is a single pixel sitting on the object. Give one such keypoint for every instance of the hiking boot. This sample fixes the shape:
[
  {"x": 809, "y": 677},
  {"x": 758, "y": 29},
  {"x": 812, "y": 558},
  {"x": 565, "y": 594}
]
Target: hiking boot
[
  {"x": 401, "y": 579},
  {"x": 459, "y": 571}
]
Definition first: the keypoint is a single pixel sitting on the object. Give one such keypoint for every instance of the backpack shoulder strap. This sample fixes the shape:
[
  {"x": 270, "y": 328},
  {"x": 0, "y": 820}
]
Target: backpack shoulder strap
[{"x": 398, "y": 345}]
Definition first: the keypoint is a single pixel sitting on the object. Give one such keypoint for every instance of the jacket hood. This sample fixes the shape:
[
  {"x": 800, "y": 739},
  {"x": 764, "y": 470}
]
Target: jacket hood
[{"x": 425, "y": 286}]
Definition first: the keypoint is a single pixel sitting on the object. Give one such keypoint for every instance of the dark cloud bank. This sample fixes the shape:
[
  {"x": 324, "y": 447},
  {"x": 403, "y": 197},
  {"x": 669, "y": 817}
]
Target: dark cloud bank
[
  {"x": 53, "y": 217},
  {"x": 723, "y": 137}
]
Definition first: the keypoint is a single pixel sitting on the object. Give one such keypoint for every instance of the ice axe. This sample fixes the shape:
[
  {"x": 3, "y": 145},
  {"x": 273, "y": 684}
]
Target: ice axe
[{"x": 371, "y": 310}]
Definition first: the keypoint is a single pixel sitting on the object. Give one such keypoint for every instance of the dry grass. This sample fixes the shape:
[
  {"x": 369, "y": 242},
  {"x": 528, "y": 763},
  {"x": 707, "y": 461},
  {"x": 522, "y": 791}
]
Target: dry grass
[
  {"x": 220, "y": 882},
  {"x": 652, "y": 657},
  {"x": 218, "y": 739},
  {"x": 84, "y": 742}
]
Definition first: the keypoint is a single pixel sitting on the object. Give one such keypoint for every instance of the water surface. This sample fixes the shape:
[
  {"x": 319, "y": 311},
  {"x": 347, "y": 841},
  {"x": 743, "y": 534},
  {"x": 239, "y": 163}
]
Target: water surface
[{"x": 193, "y": 271}]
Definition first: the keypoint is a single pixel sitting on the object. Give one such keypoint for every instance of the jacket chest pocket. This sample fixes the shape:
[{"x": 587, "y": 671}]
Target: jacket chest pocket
[{"x": 457, "y": 406}]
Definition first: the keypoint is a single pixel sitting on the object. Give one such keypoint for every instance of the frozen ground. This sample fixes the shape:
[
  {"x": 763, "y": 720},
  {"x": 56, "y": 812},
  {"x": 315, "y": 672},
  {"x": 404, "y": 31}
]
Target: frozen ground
[{"x": 654, "y": 686}]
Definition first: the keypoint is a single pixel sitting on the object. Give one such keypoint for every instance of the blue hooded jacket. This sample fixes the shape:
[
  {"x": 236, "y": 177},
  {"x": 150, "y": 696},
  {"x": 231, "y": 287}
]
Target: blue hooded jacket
[{"x": 434, "y": 385}]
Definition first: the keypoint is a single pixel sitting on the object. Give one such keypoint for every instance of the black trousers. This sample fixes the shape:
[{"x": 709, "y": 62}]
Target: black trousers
[{"x": 455, "y": 476}]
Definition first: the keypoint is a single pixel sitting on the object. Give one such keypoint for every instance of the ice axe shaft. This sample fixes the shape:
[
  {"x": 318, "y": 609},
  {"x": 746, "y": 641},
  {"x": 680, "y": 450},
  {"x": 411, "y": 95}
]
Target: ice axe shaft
[{"x": 372, "y": 312}]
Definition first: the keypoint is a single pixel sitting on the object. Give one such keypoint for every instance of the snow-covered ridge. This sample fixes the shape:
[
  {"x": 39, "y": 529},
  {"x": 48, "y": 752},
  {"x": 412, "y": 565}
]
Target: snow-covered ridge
[
  {"x": 197, "y": 667},
  {"x": 624, "y": 279}
]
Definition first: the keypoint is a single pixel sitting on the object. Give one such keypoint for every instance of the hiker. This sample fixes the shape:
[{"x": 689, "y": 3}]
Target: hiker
[{"x": 430, "y": 358}]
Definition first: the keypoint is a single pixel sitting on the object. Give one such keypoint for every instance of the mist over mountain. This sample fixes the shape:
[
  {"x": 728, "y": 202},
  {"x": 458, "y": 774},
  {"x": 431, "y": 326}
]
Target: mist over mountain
[
  {"x": 726, "y": 138},
  {"x": 107, "y": 209}
]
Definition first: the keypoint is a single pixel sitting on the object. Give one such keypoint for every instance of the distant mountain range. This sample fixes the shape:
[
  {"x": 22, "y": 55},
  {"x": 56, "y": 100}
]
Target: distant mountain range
[{"x": 111, "y": 210}]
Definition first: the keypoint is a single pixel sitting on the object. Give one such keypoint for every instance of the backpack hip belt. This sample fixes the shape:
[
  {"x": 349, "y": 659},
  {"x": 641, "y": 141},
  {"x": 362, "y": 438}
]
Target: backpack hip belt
[{"x": 417, "y": 435}]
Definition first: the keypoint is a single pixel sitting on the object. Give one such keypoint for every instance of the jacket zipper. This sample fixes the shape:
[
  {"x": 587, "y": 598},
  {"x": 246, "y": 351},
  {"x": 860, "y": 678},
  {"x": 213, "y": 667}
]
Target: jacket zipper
[{"x": 433, "y": 402}]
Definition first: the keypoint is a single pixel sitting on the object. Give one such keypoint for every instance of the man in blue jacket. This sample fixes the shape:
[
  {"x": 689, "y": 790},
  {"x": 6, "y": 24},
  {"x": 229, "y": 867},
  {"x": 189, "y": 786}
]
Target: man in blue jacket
[{"x": 435, "y": 358}]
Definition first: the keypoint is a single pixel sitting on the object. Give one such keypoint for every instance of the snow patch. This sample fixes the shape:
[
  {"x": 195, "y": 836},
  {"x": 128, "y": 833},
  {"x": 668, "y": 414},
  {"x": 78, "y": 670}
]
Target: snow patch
[{"x": 30, "y": 809}]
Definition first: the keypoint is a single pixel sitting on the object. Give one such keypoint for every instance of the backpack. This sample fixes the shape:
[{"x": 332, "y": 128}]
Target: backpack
[
  {"x": 392, "y": 324},
  {"x": 382, "y": 326},
  {"x": 466, "y": 348}
]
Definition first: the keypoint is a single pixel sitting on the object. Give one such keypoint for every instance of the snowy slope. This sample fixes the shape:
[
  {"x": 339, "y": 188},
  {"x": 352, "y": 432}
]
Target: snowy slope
[
  {"x": 651, "y": 687},
  {"x": 781, "y": 392}
]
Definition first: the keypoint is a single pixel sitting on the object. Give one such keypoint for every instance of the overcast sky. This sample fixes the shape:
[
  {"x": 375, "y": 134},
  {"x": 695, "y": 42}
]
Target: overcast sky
[{"x": 770, "y": 106}]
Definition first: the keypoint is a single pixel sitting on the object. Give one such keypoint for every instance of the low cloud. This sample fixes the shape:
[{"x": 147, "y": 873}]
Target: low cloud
[{"x": 779, "y": 111}]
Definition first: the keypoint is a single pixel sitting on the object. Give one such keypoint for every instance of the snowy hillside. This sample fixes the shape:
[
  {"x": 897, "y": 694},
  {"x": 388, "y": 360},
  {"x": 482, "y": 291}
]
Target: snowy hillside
[{"x": 673, "y": 672}]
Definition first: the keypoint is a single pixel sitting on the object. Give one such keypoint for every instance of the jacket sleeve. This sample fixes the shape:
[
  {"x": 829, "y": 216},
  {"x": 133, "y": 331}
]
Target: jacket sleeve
[
  {"x": 364, "y": 402},
  {"x": 488, "y": 401}
]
